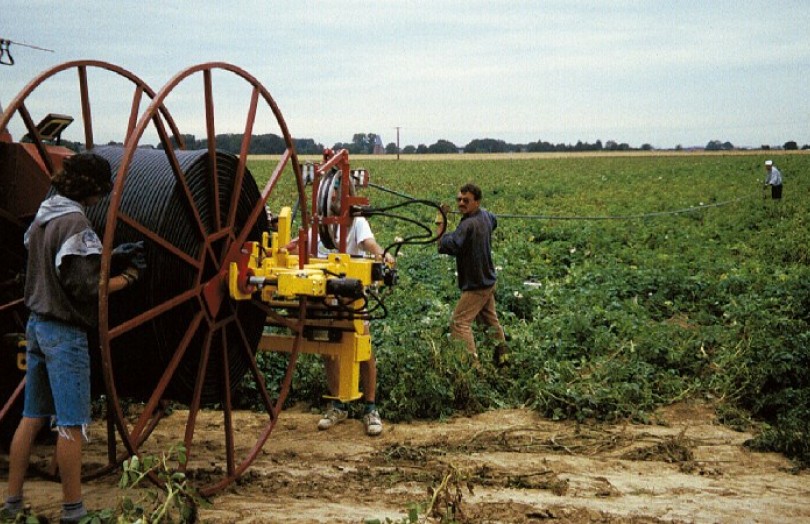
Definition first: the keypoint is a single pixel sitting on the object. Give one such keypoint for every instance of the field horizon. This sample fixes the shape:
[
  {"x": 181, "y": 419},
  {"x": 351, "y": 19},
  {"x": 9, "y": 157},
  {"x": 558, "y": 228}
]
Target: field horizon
[{"x": 552, "y": 155}]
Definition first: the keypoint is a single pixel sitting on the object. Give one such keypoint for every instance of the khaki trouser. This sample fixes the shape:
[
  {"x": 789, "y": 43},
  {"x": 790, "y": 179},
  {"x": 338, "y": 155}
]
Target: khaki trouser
[{"x": 477, "y": 305}]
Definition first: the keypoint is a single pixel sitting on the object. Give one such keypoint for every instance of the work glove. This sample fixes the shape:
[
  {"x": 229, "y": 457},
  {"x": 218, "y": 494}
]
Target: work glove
[{"x": 131, "y": 254}]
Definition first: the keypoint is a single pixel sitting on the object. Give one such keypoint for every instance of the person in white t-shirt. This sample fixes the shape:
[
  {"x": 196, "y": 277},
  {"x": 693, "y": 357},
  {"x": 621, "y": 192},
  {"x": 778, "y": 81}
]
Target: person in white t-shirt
[
  {"x": 773, "y": 178},
  {"x": 359, "y": 242}
]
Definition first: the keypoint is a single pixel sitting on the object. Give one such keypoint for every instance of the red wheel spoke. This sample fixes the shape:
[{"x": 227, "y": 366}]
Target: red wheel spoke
[
  {"x": 227, "y": 405},
  {"x": 165, "y": 378},
  {"x": 135, "y": 107},
  {"x": 86, "y": 113},
  {"x": 259, "y": 207},
  {"x": 37, "y": 138},
  {"x": 244, "y": 149},
  {"x": 254, "y": 368},
  {"x": 194, "y": 407},
  {"x": 211, "y": 135},
  {"x": 299, "y": 337},
  {"x": 268, "y": 428},
  {"x": 158, "y": 240},
  {"x": 154, "y": 420},
  {"x": 180, "y": 178},
  {"x": 13, "y": 398},
  {"x": 12, "y": 304},
  {"x": 152, "y": 313}
]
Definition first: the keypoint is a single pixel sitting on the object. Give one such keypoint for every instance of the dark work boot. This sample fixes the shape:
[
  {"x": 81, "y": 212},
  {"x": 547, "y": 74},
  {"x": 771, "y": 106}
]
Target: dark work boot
[{"x": 500, "y": 357}]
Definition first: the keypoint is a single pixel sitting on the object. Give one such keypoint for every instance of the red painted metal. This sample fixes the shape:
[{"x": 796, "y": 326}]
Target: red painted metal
[
  {"x": 26, "y": 170},
  {"x": 216, "y": 314},
  {"x": 17, "y": 105},
  {"x": 12, "y": 399},
  {"x": 340, "y": 161}
]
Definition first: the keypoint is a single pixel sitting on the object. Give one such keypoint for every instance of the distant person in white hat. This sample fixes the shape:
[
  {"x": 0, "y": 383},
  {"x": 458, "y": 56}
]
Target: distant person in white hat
[{"x": 773, "y": 178}]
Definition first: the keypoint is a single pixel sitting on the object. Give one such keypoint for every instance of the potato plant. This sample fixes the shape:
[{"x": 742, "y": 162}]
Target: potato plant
[{"x": 625, "y": 283}]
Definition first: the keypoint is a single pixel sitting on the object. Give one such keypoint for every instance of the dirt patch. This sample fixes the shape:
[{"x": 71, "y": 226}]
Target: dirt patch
[{"x": 501, "y": 466}]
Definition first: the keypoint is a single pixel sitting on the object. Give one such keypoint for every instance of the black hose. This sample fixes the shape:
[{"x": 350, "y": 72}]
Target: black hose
[{"x": 153, "y": 197}]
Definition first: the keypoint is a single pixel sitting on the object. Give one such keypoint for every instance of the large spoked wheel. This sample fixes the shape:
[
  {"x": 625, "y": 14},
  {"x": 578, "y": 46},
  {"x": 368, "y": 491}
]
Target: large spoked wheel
[
  {"x": 176, "y": 338},
  {"x": 26, "y": 168},
  {"x": 83, "y": 106}
]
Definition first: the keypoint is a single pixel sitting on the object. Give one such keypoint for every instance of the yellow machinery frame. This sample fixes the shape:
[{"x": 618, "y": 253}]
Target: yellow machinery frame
[{"x": 279, "y": 278}]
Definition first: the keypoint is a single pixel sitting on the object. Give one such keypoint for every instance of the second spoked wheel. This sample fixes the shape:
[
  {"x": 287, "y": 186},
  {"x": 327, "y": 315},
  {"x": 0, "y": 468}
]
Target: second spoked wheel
[
  {"x": 175, "y": 339},
  {"x": 26, "y": 168}
]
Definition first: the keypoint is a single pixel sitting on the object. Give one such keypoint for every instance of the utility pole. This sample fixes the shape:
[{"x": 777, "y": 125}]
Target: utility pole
[{"x": 397, "y": 142}]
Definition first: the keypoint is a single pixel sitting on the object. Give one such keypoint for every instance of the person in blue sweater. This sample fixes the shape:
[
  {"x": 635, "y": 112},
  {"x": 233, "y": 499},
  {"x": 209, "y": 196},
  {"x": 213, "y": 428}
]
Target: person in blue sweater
[{"x": 471, "y": 245}]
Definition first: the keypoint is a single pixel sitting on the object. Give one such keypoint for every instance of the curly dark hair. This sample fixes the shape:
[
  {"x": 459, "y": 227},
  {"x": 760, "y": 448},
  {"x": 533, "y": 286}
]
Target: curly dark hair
[
  {"x": 83, "y": 175},
  {"x": 472, "y": 189}
]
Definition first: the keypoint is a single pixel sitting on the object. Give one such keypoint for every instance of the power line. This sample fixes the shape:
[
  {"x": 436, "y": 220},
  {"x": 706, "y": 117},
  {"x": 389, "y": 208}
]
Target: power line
[
  {"x": 639, "y": 216},
  {"x": 628, "y": 217},
  {"x": 9, "y": 42},
  {"x": 5, "y": 50}
]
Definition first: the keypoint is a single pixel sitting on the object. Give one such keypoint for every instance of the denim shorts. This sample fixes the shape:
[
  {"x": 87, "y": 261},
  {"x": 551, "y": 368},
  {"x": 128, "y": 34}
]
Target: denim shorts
[{"x": 57, "y": 379}]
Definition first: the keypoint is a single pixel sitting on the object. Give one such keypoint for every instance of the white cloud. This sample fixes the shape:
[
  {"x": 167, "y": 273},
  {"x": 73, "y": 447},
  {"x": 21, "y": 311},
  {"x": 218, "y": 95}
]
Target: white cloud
[{"x": 663, "y": 73}]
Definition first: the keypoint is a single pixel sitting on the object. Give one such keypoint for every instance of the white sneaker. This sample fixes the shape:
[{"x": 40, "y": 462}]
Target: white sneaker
[
  {"x": 332, "y": 417},
  {"x": 373, "y": 423}
]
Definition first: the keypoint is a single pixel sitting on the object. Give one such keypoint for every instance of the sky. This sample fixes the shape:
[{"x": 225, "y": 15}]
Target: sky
[{"x": 639, "y": 72}]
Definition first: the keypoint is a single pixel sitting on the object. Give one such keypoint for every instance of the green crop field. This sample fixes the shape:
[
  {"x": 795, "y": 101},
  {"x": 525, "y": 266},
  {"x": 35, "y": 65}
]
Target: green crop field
[{"x": 625, "y": 283}]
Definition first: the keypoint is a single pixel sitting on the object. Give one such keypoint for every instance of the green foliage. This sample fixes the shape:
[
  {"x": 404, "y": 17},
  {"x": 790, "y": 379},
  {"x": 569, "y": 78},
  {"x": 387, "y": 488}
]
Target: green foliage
[
  {"x": 614, "y": 305},
  {"x": 273, "y": 366},
  {"x": 789, "y": 435},
  {"x": 175, "y": 501}
]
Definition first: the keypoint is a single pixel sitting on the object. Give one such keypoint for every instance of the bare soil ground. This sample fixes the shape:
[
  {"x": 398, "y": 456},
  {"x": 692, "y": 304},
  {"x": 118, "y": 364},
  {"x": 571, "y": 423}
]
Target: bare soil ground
[{"x": 506, "y": 466}]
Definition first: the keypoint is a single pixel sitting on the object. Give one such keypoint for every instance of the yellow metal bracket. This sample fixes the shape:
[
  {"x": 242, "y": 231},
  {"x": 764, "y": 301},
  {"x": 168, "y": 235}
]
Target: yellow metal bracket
[
  {"x": 276, "y": 273},
  {"x": 21, "y": 356},
  {"x": 349, "y": 352},
  {"x": 348, "y": 365}
]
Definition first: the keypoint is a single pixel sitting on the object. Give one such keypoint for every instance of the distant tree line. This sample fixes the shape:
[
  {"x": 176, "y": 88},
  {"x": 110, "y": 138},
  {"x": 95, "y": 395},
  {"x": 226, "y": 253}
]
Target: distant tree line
[
  {"x": 267, "y": 144},
  {"x": 491, "y": 145},
  {"x": 716, "y": 145},
  {"x": 369, "y": 143}
]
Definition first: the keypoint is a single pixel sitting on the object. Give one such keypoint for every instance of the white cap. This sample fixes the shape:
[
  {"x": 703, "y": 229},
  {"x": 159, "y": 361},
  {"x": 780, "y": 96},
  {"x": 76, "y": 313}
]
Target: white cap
[{"x": 769, "y": 162}]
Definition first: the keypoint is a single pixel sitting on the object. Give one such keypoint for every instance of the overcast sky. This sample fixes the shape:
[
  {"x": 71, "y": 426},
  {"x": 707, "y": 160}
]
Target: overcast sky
[{"x": 658, "y": 72}]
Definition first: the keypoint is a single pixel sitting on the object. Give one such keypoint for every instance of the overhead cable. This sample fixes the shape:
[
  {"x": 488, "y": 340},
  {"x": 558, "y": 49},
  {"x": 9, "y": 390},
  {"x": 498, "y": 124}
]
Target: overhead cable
[{"x": 638, "y": 216}]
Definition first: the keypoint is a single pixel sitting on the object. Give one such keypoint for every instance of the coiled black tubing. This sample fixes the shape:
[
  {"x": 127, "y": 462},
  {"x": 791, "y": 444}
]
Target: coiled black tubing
[{"x": 152, "y": 196}]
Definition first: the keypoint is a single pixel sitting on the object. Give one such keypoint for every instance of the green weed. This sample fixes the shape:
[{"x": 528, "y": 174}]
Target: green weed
[
  {"x": 174, "y": 501},
  {"x": 625, "y": 284}
]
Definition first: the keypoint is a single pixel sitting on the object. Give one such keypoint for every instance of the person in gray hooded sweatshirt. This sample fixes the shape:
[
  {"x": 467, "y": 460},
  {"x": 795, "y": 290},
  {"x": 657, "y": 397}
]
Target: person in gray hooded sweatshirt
[{"x": 61, "y": 293}]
